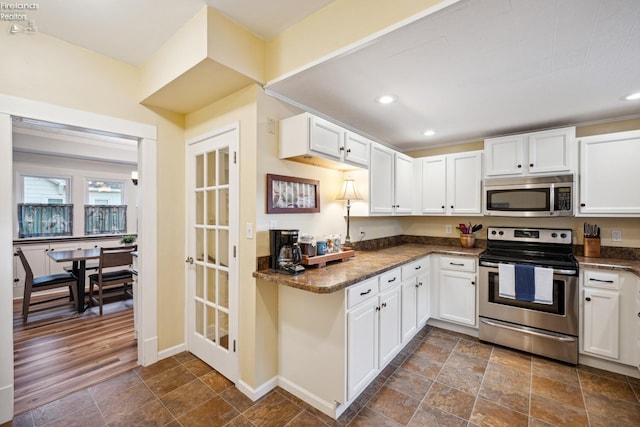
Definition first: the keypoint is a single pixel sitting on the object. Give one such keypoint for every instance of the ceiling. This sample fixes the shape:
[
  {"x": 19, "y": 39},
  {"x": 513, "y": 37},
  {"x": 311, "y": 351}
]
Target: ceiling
[
  {"x": 482, "y": 68},
  {"x": 475, "y": 69},
  {"x": 130, "y": 31}
]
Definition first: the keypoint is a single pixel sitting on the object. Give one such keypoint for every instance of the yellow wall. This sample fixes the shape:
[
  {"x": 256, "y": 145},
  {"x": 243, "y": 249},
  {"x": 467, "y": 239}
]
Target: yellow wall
[
  {"x": 334, "y": 27},
  {"x": 46, "y": 69}
]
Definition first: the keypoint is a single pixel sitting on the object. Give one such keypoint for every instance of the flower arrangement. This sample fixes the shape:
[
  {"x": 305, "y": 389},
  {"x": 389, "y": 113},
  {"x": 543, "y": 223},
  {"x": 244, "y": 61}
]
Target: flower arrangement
[{"x": 463, "y": 229}]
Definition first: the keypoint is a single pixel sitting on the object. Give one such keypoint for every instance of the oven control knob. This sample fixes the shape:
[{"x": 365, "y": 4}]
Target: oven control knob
[
  {"x": 493, "y": 232},
  {"x": 563, "y": 235},
  {"x": 501, "y": 233},
  {"x": 554, "y": 235}
]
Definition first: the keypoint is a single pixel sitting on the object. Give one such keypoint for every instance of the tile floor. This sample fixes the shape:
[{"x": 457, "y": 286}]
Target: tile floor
[{"x": 440, "y": 379}]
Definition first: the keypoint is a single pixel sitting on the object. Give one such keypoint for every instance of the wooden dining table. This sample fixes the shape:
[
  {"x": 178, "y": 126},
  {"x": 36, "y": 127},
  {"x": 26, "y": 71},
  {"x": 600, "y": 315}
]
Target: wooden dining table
[{"x": 78, "y": 259}]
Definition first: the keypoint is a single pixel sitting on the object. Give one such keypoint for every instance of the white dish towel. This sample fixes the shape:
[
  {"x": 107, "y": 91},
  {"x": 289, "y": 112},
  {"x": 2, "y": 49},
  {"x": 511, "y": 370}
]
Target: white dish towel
[
  {"x": 507, "y": 280},
  {"x": 544, "y": 285}
]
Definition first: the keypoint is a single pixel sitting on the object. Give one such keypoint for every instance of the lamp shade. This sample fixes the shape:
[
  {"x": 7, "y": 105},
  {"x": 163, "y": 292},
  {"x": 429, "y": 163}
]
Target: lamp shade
[{"x": 349, "y": 191}]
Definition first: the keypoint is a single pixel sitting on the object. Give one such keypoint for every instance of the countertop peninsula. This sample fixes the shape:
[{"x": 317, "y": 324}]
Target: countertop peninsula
[{"x": 363, "y": 265}]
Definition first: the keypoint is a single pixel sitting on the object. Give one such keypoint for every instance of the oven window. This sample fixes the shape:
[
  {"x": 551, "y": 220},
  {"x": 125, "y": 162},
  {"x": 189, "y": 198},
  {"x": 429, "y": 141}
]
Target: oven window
[
  {"x": 532, "y": 199},
  {"x": 558, "y": 306}
]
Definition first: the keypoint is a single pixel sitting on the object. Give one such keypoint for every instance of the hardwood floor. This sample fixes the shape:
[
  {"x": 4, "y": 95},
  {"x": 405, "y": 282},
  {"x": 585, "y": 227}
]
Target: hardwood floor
[{"x": 59, "y": 351}]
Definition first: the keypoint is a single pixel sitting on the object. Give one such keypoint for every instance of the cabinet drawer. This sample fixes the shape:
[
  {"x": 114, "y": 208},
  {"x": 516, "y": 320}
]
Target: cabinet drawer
[
  {"x": 361, "y": 292},
  {"x": 414, "y": 268},
  {"x": 390, "y": 278},
  {"x": 458, "y": 264},
  {"x": 596, "y": 279}
]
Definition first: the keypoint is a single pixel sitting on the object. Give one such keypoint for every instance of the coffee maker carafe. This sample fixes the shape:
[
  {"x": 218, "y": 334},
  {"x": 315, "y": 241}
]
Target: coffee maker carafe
[{"x": 286, "y": 255}]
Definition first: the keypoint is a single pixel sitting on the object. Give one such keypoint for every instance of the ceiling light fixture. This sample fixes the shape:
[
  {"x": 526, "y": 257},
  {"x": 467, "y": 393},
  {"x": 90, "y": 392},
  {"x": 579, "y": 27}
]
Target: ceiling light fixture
[
  {"x": 633, "y": 96},
  {"x": 429, "y": 132},
  {"x": 386, "y": 99}
]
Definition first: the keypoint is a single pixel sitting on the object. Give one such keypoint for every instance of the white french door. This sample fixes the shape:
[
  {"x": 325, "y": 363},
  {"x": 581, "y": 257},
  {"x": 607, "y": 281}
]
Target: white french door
[{"x": 212, "y": 239}]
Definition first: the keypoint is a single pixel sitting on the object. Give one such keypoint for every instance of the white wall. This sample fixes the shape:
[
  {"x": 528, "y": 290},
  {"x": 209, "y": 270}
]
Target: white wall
[{"x": 79, "y": 171}]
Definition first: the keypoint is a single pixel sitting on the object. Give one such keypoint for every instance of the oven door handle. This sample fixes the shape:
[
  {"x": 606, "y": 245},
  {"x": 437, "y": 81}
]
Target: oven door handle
[
  {"x": 557, "y": 337},
  {"x": 555, "y": 271}
]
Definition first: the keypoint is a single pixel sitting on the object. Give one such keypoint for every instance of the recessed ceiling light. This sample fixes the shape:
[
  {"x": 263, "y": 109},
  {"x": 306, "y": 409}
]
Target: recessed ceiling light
[
  {"x": 429, "y": 132},
  {"x": 386, "y": 99},
  {"x": 633, "y": 96}
]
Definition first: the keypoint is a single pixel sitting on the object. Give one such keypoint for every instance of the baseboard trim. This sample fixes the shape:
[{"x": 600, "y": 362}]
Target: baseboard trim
[
  {"x": 256, "y": 393},
  {"x": 328, "y": 408},
  {"x": 149, "y": 354},
  {"x": 6, "y": 404},
  {"x": 467, "y": 330},
  {"x": 172, "y": 351},
  {"x": 607, "y": 365}
]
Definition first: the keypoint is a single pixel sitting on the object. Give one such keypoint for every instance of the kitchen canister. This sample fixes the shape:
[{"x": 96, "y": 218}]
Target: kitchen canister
[{"x": 321, "y": 247}]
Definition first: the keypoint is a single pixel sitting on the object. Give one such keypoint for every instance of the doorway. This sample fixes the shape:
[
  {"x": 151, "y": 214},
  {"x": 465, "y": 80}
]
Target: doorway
[{"x": 146, "y": 137}]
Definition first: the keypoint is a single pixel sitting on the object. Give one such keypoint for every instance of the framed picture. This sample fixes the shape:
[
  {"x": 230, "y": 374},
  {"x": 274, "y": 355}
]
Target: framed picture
[{"x": 287, "y": 194}]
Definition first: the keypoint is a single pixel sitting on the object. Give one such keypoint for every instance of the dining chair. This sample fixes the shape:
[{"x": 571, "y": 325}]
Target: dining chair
[
  {"x": 44, "y": 283},
  {"x": 107, "y": 279}
]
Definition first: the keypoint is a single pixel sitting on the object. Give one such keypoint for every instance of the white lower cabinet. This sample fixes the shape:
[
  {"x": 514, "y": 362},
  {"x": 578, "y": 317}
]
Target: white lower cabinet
[
  {"x": 331, "y": 346},
  {"x": 362, "y": 336},
  {"x": 609, "y": 315},
  {"x": 457, "y": 290},
  {"x": 415, "y": 297}
]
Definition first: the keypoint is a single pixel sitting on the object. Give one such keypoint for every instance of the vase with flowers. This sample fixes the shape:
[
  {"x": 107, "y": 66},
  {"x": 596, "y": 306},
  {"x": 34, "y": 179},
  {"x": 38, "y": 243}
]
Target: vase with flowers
[{"x": 467, "y": 237}]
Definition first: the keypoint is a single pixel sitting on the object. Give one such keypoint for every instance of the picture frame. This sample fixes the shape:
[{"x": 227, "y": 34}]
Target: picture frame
[{"x": 288, "y": 194}]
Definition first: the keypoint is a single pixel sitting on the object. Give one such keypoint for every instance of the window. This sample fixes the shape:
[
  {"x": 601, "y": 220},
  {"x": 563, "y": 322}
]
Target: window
[
  {"x": 44, "y": 210},
  {"x": 105, "y": 192},
  {"x": 105, "y": 211}
]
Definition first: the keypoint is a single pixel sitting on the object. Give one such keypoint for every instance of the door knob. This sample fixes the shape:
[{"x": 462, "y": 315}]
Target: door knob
[{"x": 587, "y": 299}]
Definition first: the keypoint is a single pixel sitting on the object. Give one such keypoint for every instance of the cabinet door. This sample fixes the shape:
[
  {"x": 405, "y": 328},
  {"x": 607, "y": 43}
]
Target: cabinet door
[
  {"x": 409, "y": 308},
  {"x": 504, "y": 156},
  {"x": 422, "y": 299},
  {"x": 434, "y": 185},
  {"x": 601, "y": 328},
  {"x": 381, "y": 179},
  {"x": 403, "y": 184},
  {"x": 390, "y": 334},
  {"x": 464, "y": 176},
  {"x": 550, "y": 151},
  {"x": 362, "y": 346},
  {"x": 458, "y": 297},
  {"x": 608, "y": 171},
  {"x": 326, "y": 138},
  {"x": 357, "y": 149}
]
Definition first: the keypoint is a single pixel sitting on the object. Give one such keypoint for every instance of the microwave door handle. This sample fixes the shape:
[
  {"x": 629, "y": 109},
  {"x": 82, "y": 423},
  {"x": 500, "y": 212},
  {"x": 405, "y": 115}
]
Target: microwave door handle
[{"x": 552, "y": 199}]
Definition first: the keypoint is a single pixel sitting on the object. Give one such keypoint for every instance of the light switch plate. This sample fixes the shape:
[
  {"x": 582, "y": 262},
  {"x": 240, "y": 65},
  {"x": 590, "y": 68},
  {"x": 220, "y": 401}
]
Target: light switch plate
[{"x": 249, "y": 230}]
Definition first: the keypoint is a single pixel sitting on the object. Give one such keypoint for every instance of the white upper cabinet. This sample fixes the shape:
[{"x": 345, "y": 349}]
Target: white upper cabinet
[
  {"x": 608, "y": 174},
  {"x": 312, "y": 140},
  {"x": 535, "y": 153},
  {"x": 452, "y": 184},
  {"x": 390, "y": 178}
]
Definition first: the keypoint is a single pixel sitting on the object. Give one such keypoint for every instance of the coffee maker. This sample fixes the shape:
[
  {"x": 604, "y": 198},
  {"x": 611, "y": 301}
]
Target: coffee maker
[{"x": 285, "y": 252}]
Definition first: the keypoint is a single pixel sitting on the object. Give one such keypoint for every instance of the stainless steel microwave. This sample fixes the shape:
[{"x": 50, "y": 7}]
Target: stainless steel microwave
[{"x": 544, "y": 196}]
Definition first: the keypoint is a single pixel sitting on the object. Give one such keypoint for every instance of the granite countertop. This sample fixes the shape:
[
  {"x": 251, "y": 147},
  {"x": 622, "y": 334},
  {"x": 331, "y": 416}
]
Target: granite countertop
[
  {"x": 632, "y": 266},
  {"x": 365, "y": 264}
]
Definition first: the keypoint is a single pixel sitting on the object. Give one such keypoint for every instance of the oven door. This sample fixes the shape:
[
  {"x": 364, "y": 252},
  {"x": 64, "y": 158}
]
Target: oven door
[{"x": 561, "y": 316}]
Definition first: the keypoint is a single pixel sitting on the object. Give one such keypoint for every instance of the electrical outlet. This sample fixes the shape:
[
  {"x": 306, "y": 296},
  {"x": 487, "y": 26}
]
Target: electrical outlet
[
  {"x": 447, "y": 229},
  {"x": 616, "y": 236}
]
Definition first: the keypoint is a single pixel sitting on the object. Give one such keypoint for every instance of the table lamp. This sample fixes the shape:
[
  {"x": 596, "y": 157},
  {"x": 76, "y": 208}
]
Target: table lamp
[{"x": 348, "y": 192}]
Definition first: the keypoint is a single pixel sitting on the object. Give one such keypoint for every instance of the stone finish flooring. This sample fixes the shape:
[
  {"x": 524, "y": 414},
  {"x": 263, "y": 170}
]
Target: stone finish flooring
[{"x": 441, "y": 378}]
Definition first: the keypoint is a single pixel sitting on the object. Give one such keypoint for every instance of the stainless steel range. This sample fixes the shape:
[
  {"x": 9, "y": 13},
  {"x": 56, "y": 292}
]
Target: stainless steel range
[{"x": 535, "y": 306}]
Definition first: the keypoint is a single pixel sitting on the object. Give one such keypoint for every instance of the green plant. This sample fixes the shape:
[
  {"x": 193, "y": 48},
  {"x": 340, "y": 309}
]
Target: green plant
[{"x": 128, "y": 238}]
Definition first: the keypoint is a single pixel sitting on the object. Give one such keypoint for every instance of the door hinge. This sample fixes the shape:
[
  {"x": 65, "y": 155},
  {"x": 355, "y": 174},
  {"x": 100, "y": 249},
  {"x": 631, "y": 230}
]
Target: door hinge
[
  {"x": 234, "y": 346},
  {"x": 235, "y": 157}
]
